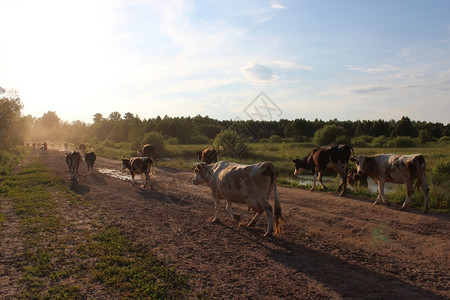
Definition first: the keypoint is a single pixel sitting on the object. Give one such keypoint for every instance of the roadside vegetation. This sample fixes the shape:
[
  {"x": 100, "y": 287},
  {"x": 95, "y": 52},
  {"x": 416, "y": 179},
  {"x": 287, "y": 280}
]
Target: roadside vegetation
[{"x": 61, "y": 260}]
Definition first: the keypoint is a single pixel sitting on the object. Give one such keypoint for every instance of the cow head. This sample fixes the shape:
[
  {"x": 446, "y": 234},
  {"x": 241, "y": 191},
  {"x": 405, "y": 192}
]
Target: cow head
[
  {"x": 199, "y": 154},
  {"x": 125, "y": 163},
  {"x": 200, "y": 173},
  {"x": 359, "y": 161},
  {"x": 300, "y": 164}
]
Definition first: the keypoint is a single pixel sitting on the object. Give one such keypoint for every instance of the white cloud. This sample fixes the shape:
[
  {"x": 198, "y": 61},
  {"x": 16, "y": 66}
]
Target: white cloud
[
  {"x": 380, "y": 69},
  {"x": 257, "y": 73},
  {"x": 291, "y": 65},
  {"x": 277, "y": 4}
]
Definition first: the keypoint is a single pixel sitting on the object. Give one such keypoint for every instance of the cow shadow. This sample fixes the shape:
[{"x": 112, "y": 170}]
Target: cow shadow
[
  {"x": 165, "y": 197},
  {"x": 80, "y": 189},
  {"x": 349, "y": 280}
]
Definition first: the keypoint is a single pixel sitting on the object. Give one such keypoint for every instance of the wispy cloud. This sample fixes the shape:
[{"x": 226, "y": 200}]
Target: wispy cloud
[
  {"x": 277, "y": 5},
  {"x": 379, "y": 69}
]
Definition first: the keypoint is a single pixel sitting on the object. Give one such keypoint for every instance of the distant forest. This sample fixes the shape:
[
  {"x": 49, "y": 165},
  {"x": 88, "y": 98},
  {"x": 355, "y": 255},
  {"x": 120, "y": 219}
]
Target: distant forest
[{"x": 117, "y": 128}]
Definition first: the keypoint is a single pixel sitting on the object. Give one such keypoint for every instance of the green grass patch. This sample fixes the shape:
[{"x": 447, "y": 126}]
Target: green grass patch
[
  {"x": 58, "y": 257},
  {"x": 133, "y": 269}
]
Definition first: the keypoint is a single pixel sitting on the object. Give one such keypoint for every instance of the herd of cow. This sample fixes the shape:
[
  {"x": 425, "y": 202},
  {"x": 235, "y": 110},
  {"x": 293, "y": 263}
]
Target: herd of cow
[{"x": 253, "y": 184}]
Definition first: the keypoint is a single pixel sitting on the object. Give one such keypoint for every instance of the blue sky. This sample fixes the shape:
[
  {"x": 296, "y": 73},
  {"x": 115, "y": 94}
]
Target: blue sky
[{"x": 349, "y": 60}]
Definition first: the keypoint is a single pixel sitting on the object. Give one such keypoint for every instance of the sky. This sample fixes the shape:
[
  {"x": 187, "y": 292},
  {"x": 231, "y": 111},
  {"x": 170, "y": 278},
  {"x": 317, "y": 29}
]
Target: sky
[{"x": 262, "y": 60}]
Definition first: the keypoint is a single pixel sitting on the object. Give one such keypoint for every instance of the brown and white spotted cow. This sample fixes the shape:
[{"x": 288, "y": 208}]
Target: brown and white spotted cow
[
  {"x": 320, "y": 159},
  {"x": 148, "y": 151},
  {"x": 73, "y": 160},
  {"x": 245, "y": 184},
  {"x": 139, "y": 165},
  {"x": 90, "y": 158},
  {"x": 396, "y": 169},
  {"x": 208, "y": 155}
]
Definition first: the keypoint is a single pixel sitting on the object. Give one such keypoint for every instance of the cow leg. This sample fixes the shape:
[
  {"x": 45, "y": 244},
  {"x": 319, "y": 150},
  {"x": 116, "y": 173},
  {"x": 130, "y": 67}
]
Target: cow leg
[
  {"x": 132, "y": 179},
  {"x": 147, "y": 179},
  {"x": 216, "y": 207},
  {"x": 254, "y": 219},
  {"x": 409, "y": 192},
  {"x": 229, "y": 209},
  {"x": 380, "y": 192},
  {"x": 321, "y": 182},
  {"x": 268, "y": 209},
  {"x": 314, "y": 182},
  {"x": 343, "y": 185}
]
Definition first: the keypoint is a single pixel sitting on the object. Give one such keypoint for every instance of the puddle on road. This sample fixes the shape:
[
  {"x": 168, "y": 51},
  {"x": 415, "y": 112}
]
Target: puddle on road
[{"x": 119, "y": 174}]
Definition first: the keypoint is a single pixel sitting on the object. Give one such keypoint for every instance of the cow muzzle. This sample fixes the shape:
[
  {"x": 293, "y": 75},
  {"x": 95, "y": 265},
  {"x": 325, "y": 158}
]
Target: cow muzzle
[{"x": 298, "y": 171}]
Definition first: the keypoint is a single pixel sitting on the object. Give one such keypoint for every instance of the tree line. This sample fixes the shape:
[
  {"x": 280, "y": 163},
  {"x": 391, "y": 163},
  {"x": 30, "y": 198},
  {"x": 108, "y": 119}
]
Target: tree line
[{"x": 130, "y": 128}]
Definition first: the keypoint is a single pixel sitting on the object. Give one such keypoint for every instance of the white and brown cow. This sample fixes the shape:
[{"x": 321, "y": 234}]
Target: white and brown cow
[
  {"x": 73, "y": 160},
  {"x": 320, "y": 159},
  {"x": 208, "y": 155},
  {"x": 396, "y": 169},
  {"x": 245, "y": 184},
  {"x": 90, "y": 158},
  {"x": 139, "y": 165},
  {"x": 148, "y": 151}
]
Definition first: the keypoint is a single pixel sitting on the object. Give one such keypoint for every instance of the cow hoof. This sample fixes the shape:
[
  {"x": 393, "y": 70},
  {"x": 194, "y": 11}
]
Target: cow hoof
[
  {"x": 311, "y": 189},
  {"x": 402, "y": 208},
  {"x": 216, "y": 221},
  {"x": 251, "y": 224},
  {"x": 268, "y": 233},
  {"x": 425, "y": 210}
]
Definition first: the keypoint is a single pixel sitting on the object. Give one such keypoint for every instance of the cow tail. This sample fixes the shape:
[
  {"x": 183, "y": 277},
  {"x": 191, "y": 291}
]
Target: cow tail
[
  {"x": 278, "y": 219},
  {"x": 277, "y": 206}
]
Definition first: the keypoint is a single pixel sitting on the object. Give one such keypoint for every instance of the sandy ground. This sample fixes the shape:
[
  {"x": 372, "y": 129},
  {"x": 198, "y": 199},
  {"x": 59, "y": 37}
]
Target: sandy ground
[{"x": 331, "y": 247}]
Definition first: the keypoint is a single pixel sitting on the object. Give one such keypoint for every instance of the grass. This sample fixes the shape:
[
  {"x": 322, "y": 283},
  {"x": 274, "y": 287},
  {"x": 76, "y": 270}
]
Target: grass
[{"x": 60, "y": 261}]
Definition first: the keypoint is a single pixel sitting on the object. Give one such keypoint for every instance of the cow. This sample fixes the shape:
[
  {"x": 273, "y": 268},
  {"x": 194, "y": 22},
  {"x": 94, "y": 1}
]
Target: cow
[
  {"x": 73, "y": 160},
  {"x": 148, "y": 151},
  {"x": 397, "y": 169},
  {"x": 66, "y": 147},
  {"x": 355, "y": 179},
  {"x": 82, "y": 148},
  {"x": 139, "y": 165},
  {"x": 43, "y": 147},
  {"x": 320, "y": 159},
  {"x": 245, "y": 184},
  {"x": 208, "y": 155},
  {"x": 90, "y": 158}
]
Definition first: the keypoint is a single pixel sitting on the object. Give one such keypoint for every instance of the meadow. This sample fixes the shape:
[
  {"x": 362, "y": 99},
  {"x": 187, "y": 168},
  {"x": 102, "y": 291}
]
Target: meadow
[{"x": 437, "y": 157}]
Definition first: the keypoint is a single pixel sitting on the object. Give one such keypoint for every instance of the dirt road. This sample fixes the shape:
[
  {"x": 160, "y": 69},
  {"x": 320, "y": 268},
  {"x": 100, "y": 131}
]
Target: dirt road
[{"x": 331, "y": 247}]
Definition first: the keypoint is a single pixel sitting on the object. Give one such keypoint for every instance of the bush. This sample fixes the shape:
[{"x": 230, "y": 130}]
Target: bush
[
  {"x": 231, "y": 143},
  {"x": 329, "y": 135},
  {"x": 156, "y": 139},
  {"x": 380, "y": 141},
  {"x": 274, "y": 139},
  {"x": 444, "y": 140},
  {"x": 403, "y": 142}
]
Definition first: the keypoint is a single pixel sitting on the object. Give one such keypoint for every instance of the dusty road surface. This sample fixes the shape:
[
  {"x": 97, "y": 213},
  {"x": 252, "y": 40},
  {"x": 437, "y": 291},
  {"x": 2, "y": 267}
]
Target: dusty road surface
[{"x": 331, "y": 247}]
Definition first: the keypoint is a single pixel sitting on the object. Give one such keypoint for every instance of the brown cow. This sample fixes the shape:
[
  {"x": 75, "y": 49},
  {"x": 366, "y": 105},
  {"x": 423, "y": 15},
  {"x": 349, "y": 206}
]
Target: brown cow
[
  {"x": 82, "y": 148},
  {"x": 394, "y": 168},
  {"x": 73, "y": 160},
  {"x": 246, "y": 184},
  {"x": 139, "y": 165},
  {"x": 90, "y": 158},
  {"x": 149, "y": 151},
  {"x": 208, "y": 155},
  {"x": 320, "y": 159}
]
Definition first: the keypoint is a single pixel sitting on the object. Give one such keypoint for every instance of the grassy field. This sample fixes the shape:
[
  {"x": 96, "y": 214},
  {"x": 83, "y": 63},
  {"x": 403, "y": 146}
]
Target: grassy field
[{"x": 282, "y": 154}]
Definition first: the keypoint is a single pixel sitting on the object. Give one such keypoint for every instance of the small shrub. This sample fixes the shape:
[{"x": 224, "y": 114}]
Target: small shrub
[
  {"x": 273, "y": 139},
  {"x": 231, "y": 143},
  {"x": 403, "y": 142}
]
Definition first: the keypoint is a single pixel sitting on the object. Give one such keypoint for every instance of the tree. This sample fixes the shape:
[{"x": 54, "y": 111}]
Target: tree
[
  {"x": 405, "y": 128},
  {"x": 231, "y": 143},
  {"x": 12, "y": 125},
  {"x": 329, "y": 135}
]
